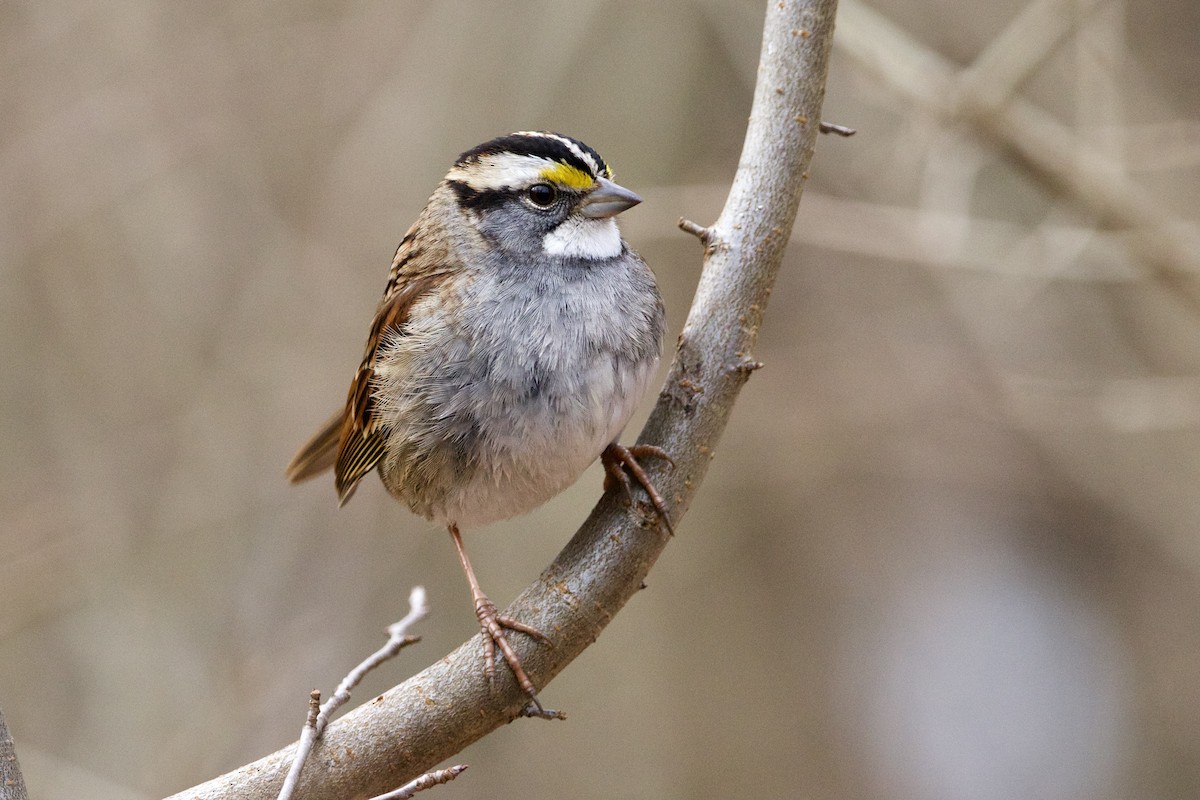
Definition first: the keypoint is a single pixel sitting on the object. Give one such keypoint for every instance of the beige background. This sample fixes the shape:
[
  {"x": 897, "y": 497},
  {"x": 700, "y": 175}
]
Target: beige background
[{"x": 948, "y": 547}]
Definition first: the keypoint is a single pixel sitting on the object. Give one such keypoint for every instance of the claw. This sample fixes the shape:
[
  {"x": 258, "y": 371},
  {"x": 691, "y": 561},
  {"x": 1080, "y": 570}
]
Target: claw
[
  {"x": 493, "y": 625},
  {"x": 617, "y": 458}
]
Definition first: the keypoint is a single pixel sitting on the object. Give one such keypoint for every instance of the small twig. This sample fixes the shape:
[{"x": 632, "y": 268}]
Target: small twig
[
  {"x": 398, "y": 639},
  {"x": 314, "y": 708},
  {"x": 308, "y": 737},
  {"x": 424, "y": 782},
  {"x": 319, "y": 715},
  {"x": 536, "y": 711},
  {"x": 699, "y": 231},
  {"x": 840, "y": 130}
]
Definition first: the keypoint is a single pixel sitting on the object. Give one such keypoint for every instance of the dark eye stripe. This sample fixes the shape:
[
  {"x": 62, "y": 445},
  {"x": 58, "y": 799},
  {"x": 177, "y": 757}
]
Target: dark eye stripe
[{"x": 478, "y": 199}]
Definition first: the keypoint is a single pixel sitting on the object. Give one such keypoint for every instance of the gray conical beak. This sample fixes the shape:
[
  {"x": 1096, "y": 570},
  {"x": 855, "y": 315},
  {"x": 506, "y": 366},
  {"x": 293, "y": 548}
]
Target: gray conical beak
[{"x": 607, "y": 200}]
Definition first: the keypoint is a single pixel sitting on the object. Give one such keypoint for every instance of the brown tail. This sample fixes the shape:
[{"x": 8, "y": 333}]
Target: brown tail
[{"x": 319, "y": 453}]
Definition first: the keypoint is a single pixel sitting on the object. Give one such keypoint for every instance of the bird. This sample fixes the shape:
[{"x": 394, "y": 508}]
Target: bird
[{"x": 517, "y": 333}]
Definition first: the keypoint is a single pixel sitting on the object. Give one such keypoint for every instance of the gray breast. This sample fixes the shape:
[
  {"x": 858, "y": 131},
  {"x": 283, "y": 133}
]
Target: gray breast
[{"x": 512, "y": 398}]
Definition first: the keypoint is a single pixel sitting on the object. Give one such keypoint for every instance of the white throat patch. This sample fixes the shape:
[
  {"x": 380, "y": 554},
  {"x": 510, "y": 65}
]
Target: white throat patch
[{"x": 584, "y": 238}]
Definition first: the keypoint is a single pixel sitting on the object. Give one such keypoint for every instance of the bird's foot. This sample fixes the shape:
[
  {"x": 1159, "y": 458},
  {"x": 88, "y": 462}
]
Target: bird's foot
[
  {"x": 493, "y": 626},
  {"x": 617, "y": 458}
]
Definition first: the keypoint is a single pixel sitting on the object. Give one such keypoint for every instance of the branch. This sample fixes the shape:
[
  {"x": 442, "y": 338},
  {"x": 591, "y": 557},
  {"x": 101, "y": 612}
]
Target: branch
[
  {"x": 319, "y": 715},
  {"x": 427, "y": 781},
  {"x": 12, "y": 784},
  {"x": 438, "y": 712}
]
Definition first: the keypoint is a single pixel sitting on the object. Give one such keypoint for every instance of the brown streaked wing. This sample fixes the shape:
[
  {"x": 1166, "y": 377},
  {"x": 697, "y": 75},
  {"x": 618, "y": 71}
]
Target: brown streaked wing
[{"x": 361, "y": 444}]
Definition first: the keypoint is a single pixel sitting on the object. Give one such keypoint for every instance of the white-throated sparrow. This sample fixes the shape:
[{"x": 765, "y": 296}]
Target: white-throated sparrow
[{"x": 516, "y": 335}]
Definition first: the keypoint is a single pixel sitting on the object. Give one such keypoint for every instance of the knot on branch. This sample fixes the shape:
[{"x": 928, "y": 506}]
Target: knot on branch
[{"x": 747, "y": 365}]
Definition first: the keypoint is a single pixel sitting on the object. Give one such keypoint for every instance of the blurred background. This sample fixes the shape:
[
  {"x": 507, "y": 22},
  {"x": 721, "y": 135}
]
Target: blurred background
[{"x": 948, "y": 547}]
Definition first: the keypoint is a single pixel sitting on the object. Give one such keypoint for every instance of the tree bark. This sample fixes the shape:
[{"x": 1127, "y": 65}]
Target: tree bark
[
  {"x": 437, "y": 713},
  {"x": 12, "y": 784}
]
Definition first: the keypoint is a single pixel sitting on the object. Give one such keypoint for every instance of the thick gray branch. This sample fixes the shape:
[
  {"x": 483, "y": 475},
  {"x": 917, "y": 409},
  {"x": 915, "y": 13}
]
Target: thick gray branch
[{"x": 438, "y": 712}]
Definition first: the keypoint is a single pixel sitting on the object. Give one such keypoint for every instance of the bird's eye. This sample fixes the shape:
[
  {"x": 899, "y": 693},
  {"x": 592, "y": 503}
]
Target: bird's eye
[{"x": 542, "y": 194}]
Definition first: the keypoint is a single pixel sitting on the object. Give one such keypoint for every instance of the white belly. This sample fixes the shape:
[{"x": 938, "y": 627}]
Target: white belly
[{"x": 544, "y": 453}]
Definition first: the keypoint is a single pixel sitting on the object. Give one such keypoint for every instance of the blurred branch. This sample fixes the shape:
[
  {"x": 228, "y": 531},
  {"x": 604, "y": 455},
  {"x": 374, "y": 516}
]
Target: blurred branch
[
  {"x": 12, "y": 783},
  {"x": 1015, "y": 55},
  {"x": 1049, "y": 148},
  {"x": 438, "y": 712}
]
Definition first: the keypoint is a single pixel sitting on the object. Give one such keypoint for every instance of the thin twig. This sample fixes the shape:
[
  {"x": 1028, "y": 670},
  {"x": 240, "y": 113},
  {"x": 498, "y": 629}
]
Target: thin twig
[
  {"x": 426, "y": 781},
  {"x": 840, "y": 130},
  {"x": 314, "y": 708},
  {"x": 537, "y": 712},
  {"x": 398, "y": 639},
  {"x": 319, "y": 715},
  {"x": 446, "y": 707},
  {"x": 699, "y": 231},
  {"x": 308, "y": 737}
]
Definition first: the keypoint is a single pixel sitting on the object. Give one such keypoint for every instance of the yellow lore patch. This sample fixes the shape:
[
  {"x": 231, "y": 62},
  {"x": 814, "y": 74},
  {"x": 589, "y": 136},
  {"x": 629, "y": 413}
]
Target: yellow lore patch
[{"x": 566, "y": 175}]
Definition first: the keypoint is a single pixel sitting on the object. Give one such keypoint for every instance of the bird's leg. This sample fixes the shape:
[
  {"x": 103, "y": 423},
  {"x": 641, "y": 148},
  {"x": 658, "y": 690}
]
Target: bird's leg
[
  {"x": 617, "y": 458},
  {"x": 493, "y": 625}
]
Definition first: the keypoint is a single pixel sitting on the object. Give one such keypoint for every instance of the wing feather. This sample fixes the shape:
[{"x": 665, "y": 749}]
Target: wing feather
[
  {"x": 319, "y": 453},
  {"x": 351, "y": 442}
]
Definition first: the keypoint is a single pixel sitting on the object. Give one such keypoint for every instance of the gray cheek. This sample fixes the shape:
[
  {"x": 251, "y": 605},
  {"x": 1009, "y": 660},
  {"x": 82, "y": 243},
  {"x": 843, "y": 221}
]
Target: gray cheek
[{"x": 515, "y": 229}]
